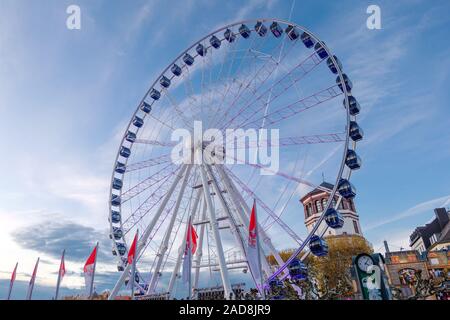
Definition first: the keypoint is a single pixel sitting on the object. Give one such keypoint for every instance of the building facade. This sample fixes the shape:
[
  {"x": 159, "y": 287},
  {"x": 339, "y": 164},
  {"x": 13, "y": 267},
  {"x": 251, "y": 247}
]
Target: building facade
[
  {"x": 402, "y": 267},
  {"x": 315, "y": 201}
]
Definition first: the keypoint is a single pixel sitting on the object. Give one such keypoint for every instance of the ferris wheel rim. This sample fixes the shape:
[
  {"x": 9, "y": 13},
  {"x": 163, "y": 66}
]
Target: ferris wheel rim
[{"x": 340, "y": 174}]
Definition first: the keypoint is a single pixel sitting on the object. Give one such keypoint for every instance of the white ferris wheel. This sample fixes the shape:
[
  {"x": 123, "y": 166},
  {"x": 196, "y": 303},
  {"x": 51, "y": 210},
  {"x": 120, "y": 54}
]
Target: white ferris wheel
[{"x": 255, "y": 74}]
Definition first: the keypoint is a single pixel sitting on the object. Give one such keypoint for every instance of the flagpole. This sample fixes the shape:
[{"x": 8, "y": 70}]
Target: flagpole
[
  {"x": 93, "y": 272},
  {"x": 11, "y": 284},
  {"x": 58, "y": 282},
  {"x": 33, "y": 279},
  {"x": 263, "y": 293},
  {"x": 133, "y": 268},
  {"x": 190, "y": 257}
]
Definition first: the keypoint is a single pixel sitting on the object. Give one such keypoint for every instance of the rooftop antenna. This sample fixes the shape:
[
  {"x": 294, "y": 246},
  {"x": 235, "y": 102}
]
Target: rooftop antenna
[{"x": 323, "y": 177}]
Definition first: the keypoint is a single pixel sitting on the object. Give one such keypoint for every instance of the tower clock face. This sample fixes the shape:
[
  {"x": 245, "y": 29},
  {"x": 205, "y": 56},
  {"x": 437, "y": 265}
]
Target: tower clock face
[{"x": 364, "y": 262}]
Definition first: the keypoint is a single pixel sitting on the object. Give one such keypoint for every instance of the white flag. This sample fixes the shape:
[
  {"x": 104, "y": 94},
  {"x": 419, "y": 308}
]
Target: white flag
[{"x": 32, "y": 280}]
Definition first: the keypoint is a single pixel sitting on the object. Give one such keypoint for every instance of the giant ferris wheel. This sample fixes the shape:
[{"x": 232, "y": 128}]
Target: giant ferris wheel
[{"x": 255, "y": 74}]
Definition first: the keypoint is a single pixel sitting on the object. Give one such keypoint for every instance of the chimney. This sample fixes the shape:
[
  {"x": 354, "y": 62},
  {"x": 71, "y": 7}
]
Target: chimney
[
  {"x": 442, "y": 217},
  {"x": 386, "y": 247}
]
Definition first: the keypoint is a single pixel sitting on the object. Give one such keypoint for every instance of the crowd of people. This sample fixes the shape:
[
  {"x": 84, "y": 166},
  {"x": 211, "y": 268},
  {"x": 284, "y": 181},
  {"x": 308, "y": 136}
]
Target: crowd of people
[{"x": 237, "y": 294}]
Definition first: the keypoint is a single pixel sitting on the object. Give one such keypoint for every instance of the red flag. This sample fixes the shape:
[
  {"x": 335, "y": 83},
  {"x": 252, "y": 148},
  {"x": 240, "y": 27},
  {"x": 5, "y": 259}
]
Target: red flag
[
  {"x": 253, "y": 258},
  {"x": 132, "y": 251},
  {"x": 252, "y": 228},
  {"x": 89, "y": 271},
  {"x": 89, "y": 265},
  {"x": 191, "y": 239},
  {"x": 13, "y": 276},
  {"x": 191, "y": 247}
]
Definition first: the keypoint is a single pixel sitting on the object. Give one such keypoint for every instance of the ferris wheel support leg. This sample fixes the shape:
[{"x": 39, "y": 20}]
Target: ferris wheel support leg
[
  {"x": 198, "y": 256},
  {"x": 215, "y": 232},
  {"x": 244, "y": 213},
  {"x": 165, "y": 243},
  {"x": 146, "y": 234},
  {"x": 175, "y": 271},
  {"x": 234, "y": 228}
]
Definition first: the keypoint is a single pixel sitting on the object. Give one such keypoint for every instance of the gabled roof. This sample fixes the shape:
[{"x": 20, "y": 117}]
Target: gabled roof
[{"x": 436, "y": 225}]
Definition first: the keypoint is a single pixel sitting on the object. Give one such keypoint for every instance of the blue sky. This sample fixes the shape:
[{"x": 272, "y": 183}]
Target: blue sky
[{"x": 66, "y": 96}]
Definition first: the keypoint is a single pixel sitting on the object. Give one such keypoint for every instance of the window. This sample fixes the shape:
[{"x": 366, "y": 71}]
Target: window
[
  {"x": 352, "y": 205},
  {"x": 355, "y": 225},
  {"x": 433, "y": 238},
  {"x": 308, "y": 210},
  {"x": 334, "y": 203},
  {"x": 434, "y": 261},
  {"x": 318, "y": 206},
  {"x": 324, "y": 203}
]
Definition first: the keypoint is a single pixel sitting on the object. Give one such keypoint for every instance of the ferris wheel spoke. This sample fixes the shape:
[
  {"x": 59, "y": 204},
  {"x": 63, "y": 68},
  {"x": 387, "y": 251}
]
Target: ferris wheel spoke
[
  {"x": 190, "y": 102},
  {"x": 266, "y": 208},
  {"x": 223, "y": 76},
  {"x": 149, "y": 203},
  {"x": 156, "y": 142},
  {"x": 161, "y": 122},
  {"x": 176, "y": 106},
  {"x": 149, "y": 182},
  {"x": 282, "y": 174},
  {"x": 263, "y": 72},
  {"x": 232, "y": 80},
  {"x": 288, "y": 183},
  {"x": 244, "y": 211},
  {"x": 169, "y": 208},
  {"x": 148, "y": 163},
  {"x": 186, "y": 209},
  {"x": 269, "y": 67},
  {"x": 165, "y": 242},
  {"x": 298, "y": 72},
  {"x": 283, "y": 142},
  {"x": 176, "y": 269},
  {"x": 232, "y": 202},
  {"x": 209, "y": 92},
  {"x": 150, "y": 243},
  {"x": 227, "y": 210},
  {"x": 297, "y": 107},
  {"x": 146, "y": 234},
  {"x": 199, "y": 253},
  {"x": 295, "y": 141}
]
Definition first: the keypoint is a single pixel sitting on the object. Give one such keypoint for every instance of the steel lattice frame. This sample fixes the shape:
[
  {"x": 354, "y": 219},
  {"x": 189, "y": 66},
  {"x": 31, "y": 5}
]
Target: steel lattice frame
[{"x": 166, "y": 180}]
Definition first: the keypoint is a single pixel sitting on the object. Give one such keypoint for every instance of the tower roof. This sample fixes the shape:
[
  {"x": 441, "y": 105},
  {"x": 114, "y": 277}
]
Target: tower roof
[{"x": 317, "y": 190}]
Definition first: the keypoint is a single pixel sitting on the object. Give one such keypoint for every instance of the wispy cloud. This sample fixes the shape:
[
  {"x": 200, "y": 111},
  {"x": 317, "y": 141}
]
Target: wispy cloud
[{"x": 424, "y": 207}]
